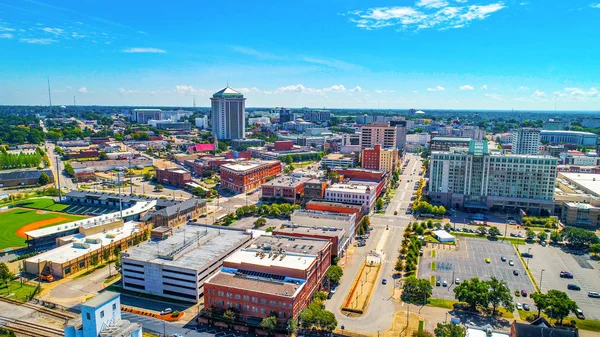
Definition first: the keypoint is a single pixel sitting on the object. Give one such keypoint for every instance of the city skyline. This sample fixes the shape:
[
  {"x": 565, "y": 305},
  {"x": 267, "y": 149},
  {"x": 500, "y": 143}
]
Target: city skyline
[{"x": 444, "y": 54}]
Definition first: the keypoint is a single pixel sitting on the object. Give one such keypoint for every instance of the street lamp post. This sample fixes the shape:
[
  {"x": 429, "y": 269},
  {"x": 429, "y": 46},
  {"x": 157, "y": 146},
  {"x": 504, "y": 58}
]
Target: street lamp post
[{"x": 541, "y": 278}]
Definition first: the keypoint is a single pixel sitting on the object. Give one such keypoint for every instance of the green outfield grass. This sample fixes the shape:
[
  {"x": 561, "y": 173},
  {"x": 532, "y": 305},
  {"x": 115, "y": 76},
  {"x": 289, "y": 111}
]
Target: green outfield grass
[
  {"x": 11, "y": 221},
  {"x": 44, "y": 203}
]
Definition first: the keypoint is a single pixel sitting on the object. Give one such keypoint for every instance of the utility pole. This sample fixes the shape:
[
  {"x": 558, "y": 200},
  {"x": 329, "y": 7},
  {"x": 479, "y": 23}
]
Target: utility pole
[
  {"x": 541, "y": 278},
  {"x": 58, "y": 180},
  {"x": 49, "y": 95},
  {"x": 120, "y": 203},
  {"x": 130, "y": 178}
]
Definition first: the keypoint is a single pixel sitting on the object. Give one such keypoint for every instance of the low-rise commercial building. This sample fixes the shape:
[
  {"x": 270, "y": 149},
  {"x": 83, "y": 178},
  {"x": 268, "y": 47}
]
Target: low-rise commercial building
[
  {"x": 445, "y": 143},
  {"x": 178, "y": 214},
  {"x": 361, "y": 193},
  {"x": 339, "y": 238},
  {"x": 315, "y": 189},
  {"x": 176, "y": 177},
  {"x": 274, "y": 275},
  {"x": 335, "y": 207},
  {"x": 339, "y": 160},
  {"x": 288, "y": 187},
  {"x": 107, "y": 165},
  {"x": 569, "y": 137},
  {"x": 580, "y": 215},
  {"x": 23, "y": 178},
  {"x": 178, "y": 266},
  {"x": 246, "y": 176}
]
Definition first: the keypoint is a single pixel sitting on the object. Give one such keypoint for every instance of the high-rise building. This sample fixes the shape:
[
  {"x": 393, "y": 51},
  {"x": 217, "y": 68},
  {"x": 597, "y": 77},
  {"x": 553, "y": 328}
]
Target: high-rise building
[
  {"x": 475, "y": 178},
  {"x": 400, "y": 133},
  {"x": 202, "y": 122},
  {"x": 228, "y": 110},
  {"x": 378, "y": 133},
  {"x": 285, "y": 115},
  {"x": 526, "y": 141},
  {"x": 379, "y": 159}
]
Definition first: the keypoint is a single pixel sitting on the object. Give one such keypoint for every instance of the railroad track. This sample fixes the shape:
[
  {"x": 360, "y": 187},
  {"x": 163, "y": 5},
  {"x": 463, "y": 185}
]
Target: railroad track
[
  {"x": 29, "y": 329},
  {"x": 39, "y": 308}
]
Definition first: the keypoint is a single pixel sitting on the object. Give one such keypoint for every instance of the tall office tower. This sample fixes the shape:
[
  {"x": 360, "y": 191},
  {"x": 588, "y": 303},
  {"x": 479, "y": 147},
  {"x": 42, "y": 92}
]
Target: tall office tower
[
  {"x": 378, "y": 133},
  {"x": 475, "y": 178},
  {"x": 227, "y": 115},
  {"x": 526, "y": 141},
  {"x": 285, "y": 115},
  {"x": 400, "y": 133}
]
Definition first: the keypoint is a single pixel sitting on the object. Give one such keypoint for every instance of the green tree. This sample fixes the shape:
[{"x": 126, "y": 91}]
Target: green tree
[
  {"x": 334, "y": 274},
  {"x": 579, "y": 237},
  {"x": 494, "y": 232},
  {"x": 542, "y": 236},
  {"x": 44, "y": 179},
  {"x": 399, "y": 265},
  {"x": 69, "y": 170},
  {"x": 442, "y": 210},
  {"x": 159, "y": 187},
  {"x": 5, "y": 274},
  {"x": 556, "y": 236},
  {"x": 260, "y": 222},
  {"x": 595, "y": 248},
  {"x": 379, "y": 203},
  {"x": 474, "y": 292},
  {"x": 416, "y": 290},
  {"x": 559, "y": 305},
  {"x": 287, "y": 159},
  {"x": 292, "y": 326},
  {"x": 530, "y": 234},
  {"x": 449, "y": 330},
  {"x": 422, "y": 333},
  {"x": 229, "y": 316},
  {"x": 147, "y": 176},
  {"x": 481, "y": 230},
  {"x": 499, "y": 294},
  {"x": 102, "y": 156},
  {"x": 541, "y": 301}
]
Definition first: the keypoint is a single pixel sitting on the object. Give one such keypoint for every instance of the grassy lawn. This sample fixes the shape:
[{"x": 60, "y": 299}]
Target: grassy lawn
[
  {"x": 17, "y": 292},
  {"x": 442, "y": 303},
  {"x": 429, "y": 238},
  {"x": 432, "y": 280},
  {"x": 505, "y": 313},
  {"x": 421, "y": 324},
  {"x": 43, "y": 203},
  {"x": 16, "y": 218},
  {"x": 433, "y": 265},
  {"x": 509, "y": 240},
  {"x": 433, "y": 253}
]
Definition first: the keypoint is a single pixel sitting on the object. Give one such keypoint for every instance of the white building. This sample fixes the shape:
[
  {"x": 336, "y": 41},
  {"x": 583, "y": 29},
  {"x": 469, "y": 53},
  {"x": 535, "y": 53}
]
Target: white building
[
  {"x": 228, "y": 114},
  {"x": 421, "y": 139},
  {"x": 364, "y": 193},
  {"x": 202, "y": 122},
  {"x": 175, "y": 115},
  {"x": 526, "y": 141},
  {"x": 178, "y": 266},
  {"x": 259, "y": 120},
  {"x": 339, "y": 160},
  {"x": 443, "y": 236},
  {"x": 310, "y": 218},
  {"x": 101, "y": 316}
]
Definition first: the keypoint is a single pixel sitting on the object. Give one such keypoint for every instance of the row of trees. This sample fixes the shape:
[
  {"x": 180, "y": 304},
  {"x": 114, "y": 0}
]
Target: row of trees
[
  {"x": 416, "y": 291},
  {"x": 556, "y": 304},
  {"x": 409, "y": 252},
  {"x": 315, "y": 316},
  {"x": 476, "y": 292},
  {"x": 282, "y": 210},
  {"x": 21, "y": 160},
  {"x": 424, "y": 207}
]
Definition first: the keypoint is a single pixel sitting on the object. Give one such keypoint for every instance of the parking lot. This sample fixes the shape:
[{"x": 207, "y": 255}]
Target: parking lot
[
  {"x": 467, "y": 260},
  {"x": 586, "y": 274}
]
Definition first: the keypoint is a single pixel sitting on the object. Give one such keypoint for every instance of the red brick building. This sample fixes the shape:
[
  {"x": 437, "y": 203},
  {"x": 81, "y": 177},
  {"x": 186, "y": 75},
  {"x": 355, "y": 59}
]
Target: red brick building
[
  {"x": 176, "y": 177},
  {"x": 335, "y": 207},
  {"x": 287, "y": 187},
  {"x": 371, "y": 158},
  {"x": 246, "y": 176},
  {"x": 283, "y": 145},
  {"x": 315, "y": 189},
  {"x": 276, "y": 275},
  {"x": 84, "y": 154},
  {"x": 361, "y": 174}
]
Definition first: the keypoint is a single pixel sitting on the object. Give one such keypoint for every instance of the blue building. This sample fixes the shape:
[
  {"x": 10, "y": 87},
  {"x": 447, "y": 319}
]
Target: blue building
[{"x": 101, "y": 317}]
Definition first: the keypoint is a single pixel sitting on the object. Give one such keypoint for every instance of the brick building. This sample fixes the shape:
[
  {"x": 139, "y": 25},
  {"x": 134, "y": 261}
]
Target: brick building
[
  {"x": 335, "y": 207},
  {"x": 379, "y": 159},
  {"x": 275, "y": 275},
  {"x": 287, "y": 187},
  {"x": 178, "y": 214},
  {"x": 283, "y": 145},
  {"x": 361, "y": 174},
  {"x": 315, "y": 189},
  {"x": 84, "y": 154},
  {"x": 337, "y": 236},
  {"x": 176, "y": 177},
  {"x": 243, "y": 177},
  {"x": 85, "y": 175}
]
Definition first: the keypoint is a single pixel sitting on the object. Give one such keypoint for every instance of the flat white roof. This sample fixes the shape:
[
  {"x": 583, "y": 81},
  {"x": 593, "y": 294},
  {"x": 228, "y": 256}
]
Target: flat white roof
[
  {"x": 475, "y": 332},
  {"x": 353, "y": 188},
  {"x": 138, "y": 208},
  {"x": 290, "y": 261},
  {"x": 244, "y": 166},
  {"x": 67, "y": 252},
  {"x": 591, "y": 181},
  {"x": 442, "y": 234}
]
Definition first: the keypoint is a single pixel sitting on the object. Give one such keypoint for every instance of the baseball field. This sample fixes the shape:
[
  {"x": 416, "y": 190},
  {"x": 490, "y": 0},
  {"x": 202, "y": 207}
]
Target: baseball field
[{"x": 16, "y": 221}]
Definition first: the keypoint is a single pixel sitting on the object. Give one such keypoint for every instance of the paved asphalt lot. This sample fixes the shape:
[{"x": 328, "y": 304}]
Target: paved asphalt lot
[
  {"x": 586, "y": 275},
  {"x": 468, "y": 261}
]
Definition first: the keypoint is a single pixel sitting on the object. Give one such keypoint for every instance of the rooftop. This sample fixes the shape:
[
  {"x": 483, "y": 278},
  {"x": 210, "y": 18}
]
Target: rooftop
[
  {"x": 323, "y": 215},
  {"x": 586, "y": 181},
  {"x": 582, "y": 133},
  {"x": 361, "y": 187},
  {"x": 321, "y": 231},
  {"x": 451, "y": 139},
  {"x": 270, "y": 259},
  {"x": 181, "y": 207},
  {"x": 289, "y": 244},
  {"x": 100, "y": 299},
  {"x": 333, "y": 156},
  {"x": 243, "y": 166},
  {"x": 190, "y": 246},
  {"x": 82, "y": 245},
  {"x": 580, "y": 205},
  {"x": 287, "y": 180},
  {"x": 228, "y": 92},
  {"x": 229, "y": 278},
  {"x": 334, "y": 204}
]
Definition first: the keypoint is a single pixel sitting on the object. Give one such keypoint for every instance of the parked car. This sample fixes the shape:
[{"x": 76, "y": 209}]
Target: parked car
[
  {"x": 438, "y": 282},
  {"x": 503, "y": 259},
  {"x": 384, "y": 281},
  {"x": 566, "y": 274},
  {"x": 593, "y": 294},
  {"x": 457, "y": 281},
  {"x": 572, "y": 286},
  {"x": 519, "y": 306},
  {"x": 517, "y": 293},
  {"x": 526, "y": 306},
  {"x": 579, "y": 314},
  {"x": 526, "y": 255},
  {"x": 487, "y": 260},
  {"x": 516, "y": 272},
  {"x": 511, "y": 263},
  {"x": 524, "y": 293},
  {"x": 543, "y": 243},
  {"x": 445, "y": 283},
  {"x": 166, "y": 311}
]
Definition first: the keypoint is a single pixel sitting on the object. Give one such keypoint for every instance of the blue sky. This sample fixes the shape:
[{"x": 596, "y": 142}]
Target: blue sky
[{"x": 471, "y": 54}]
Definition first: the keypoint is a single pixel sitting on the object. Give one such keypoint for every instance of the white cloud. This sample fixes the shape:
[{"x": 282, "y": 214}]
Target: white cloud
[
  {"x": 384, "y": 91},
  {"x": 461, "y": 1},
  {"x": 596, "y": 5},
  {"x": 484, "y": 87},
  {"x": 423, "y": 15},
  {"x": 432, "y": 3},
  {"x": 6, "y": 29},
  {"x": 189, "y": 90},
  {"x": 437, "y": 88},
  {"x": 248, "y": 90},
  {"x": 578, "y": 92},
  {"x": 496, "y": 97},
  {"x": 337, "y": 88},
  {"x": 37, "y": 41},
  {"x": 144, "y": 50},
  {"x": 522, "y": 88},
  {"x": 466, "y": 87},
  {"x": 538, "y": 94},
  {"x": 254, "y": 52},
  {"x": 6, "y": 36},
  {"x": 82, "y": 90},
  {"x": 53, "y": 31}
]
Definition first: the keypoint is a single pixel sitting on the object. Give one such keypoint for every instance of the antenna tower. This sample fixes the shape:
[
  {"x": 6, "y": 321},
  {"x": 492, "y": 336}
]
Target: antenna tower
[{"x": 49, "y": 94}]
